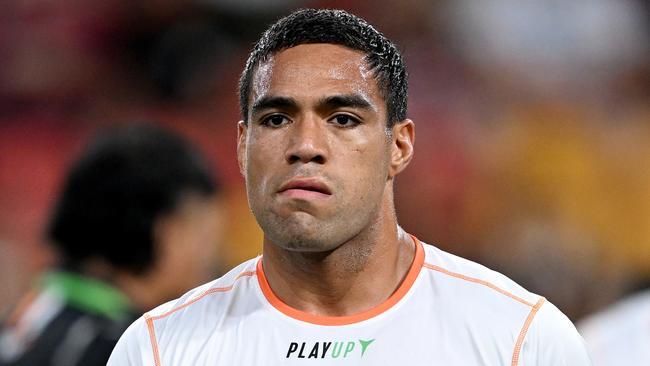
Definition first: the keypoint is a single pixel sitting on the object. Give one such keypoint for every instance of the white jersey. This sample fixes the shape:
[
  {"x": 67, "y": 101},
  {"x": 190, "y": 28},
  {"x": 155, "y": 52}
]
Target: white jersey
[
  {"x": 620, "y": 335},
  {"x": 448, "y": 311}
]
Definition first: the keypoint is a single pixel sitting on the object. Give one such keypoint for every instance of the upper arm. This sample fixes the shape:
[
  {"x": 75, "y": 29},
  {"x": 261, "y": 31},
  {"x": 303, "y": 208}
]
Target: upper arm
[
  {"x": 134, "y": 347},
  {"x": 553, "y": 340}
]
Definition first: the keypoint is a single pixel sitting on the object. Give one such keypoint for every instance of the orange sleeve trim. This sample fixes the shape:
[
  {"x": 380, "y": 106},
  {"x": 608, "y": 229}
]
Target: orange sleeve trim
[
  {"x": 204, "y": 294},
  {"x": 479, "y": 281},
  {"x": 152, "y": 338},
  {"x": 401, "y": 291},
  {"x": 524, "y": 331}
]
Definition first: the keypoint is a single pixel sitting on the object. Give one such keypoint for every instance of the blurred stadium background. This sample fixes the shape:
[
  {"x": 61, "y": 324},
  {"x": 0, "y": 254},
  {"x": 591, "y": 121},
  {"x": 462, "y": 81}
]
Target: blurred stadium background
[{"x": 532, "y": 119}]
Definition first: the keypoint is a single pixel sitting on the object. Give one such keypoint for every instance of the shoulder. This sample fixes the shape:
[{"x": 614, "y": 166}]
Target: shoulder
[
  {"x": 133, "y": 347},
  {"x": 215, "y": 292},
  {"x": 553, "y": 340},
  {"x": 177, "y": 318},
  {"x": 538, "y": 329},
  {"x": 475, "y": 281}
]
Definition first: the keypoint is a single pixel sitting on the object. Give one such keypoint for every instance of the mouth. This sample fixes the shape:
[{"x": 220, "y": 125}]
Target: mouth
[{"x": 305, "y": 188}]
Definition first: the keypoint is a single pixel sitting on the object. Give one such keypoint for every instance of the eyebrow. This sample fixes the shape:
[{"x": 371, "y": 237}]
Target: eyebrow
[
  {"x": 346, "y": 100},
  {"x": 269, "y": 102},
  {"x": 331, "y": 102}
]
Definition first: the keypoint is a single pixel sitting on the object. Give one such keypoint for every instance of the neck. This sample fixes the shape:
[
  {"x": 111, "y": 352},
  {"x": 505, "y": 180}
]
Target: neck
[{"x": 356, "y": 276}]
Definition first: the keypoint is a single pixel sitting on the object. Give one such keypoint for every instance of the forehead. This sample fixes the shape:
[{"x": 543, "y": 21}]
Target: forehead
[{"x": 315, "y": 70}]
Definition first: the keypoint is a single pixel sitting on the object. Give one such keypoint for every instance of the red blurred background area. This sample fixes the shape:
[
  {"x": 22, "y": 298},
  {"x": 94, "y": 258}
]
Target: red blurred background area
[{"x": 532, "y": 124}]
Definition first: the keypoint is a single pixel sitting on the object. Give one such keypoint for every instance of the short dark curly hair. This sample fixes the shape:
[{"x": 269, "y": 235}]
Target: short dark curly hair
[
  {"x": 335, "y": 27},
  {"x": 127, "y": 178}
]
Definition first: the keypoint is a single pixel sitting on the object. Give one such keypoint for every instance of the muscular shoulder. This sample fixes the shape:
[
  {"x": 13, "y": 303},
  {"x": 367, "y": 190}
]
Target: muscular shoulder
[
  {"x": 553, "y": 340},
  {"x": 473, "y": 282},
  {"x": 503, "y": 313},
  {"x": 188, "y": 316},
  {"x": 215, "y": 299}
]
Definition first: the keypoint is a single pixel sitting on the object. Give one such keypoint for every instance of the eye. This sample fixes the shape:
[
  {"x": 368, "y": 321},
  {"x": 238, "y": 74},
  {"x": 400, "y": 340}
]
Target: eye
[
  {"x": 344, "y": 120},
  {"x": 275, "y": 120}
]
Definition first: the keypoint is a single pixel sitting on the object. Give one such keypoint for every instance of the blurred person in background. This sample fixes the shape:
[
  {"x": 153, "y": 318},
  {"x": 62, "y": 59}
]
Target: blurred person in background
[
  {"x": 136, "y": 224},
  {"x": 620, "y": 334}
]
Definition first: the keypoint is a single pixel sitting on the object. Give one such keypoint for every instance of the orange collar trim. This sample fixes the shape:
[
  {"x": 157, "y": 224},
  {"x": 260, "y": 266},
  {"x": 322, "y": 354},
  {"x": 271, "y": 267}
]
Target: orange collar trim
[{"x": 401, "y": 291}]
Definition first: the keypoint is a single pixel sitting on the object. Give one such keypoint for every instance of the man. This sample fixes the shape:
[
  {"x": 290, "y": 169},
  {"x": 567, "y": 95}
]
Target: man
[
  {"x": 323, "y": 136},
  {"x": 134, "y": 227}
]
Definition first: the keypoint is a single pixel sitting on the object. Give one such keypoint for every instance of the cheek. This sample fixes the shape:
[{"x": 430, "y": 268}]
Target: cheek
[
  {"x": 370, "y": 161},
  {"x": 365, "y": 174},
  {"x": 257, "y": 154},
  {"x": 264, "y": 158}
]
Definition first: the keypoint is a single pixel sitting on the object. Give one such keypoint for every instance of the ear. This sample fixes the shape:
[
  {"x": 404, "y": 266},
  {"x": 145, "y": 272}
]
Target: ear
[
  {"x": 403, "y": 138},
  {"x": 241, "y": 146}
]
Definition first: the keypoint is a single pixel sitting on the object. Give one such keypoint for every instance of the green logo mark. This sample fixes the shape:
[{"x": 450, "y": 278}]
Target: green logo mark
[{"x": 364, "y": 345}]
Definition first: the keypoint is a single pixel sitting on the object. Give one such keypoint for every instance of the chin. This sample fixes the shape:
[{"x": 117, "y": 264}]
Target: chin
[
  {"x": 303, "y": 232},
  {"x": 301, "y": 240}
]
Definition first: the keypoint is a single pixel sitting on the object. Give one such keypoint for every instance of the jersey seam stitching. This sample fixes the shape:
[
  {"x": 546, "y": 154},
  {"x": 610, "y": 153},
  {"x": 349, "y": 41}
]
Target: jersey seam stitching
[
  {"x": 524, "y": 331},
  {"x": 204, "y": 294},
  {"x": 477, "y": 281},
  {"x": 150, "y": 319},
  {"x": 152, "y": 338}
]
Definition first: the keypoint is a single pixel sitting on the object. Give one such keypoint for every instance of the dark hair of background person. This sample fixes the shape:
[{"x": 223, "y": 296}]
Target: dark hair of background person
[
  {"x": 335, "y": 27},
  {"x": 127, "y": 177}
]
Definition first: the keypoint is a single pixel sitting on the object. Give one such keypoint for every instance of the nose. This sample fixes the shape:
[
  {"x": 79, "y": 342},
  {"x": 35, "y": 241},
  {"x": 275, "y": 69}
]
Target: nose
[{"x": 307, "y": 142}]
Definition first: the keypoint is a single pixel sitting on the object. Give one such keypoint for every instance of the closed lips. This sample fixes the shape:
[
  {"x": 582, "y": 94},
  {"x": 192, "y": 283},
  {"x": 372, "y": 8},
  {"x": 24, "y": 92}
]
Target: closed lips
[{"x": 306, "y": 185}]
